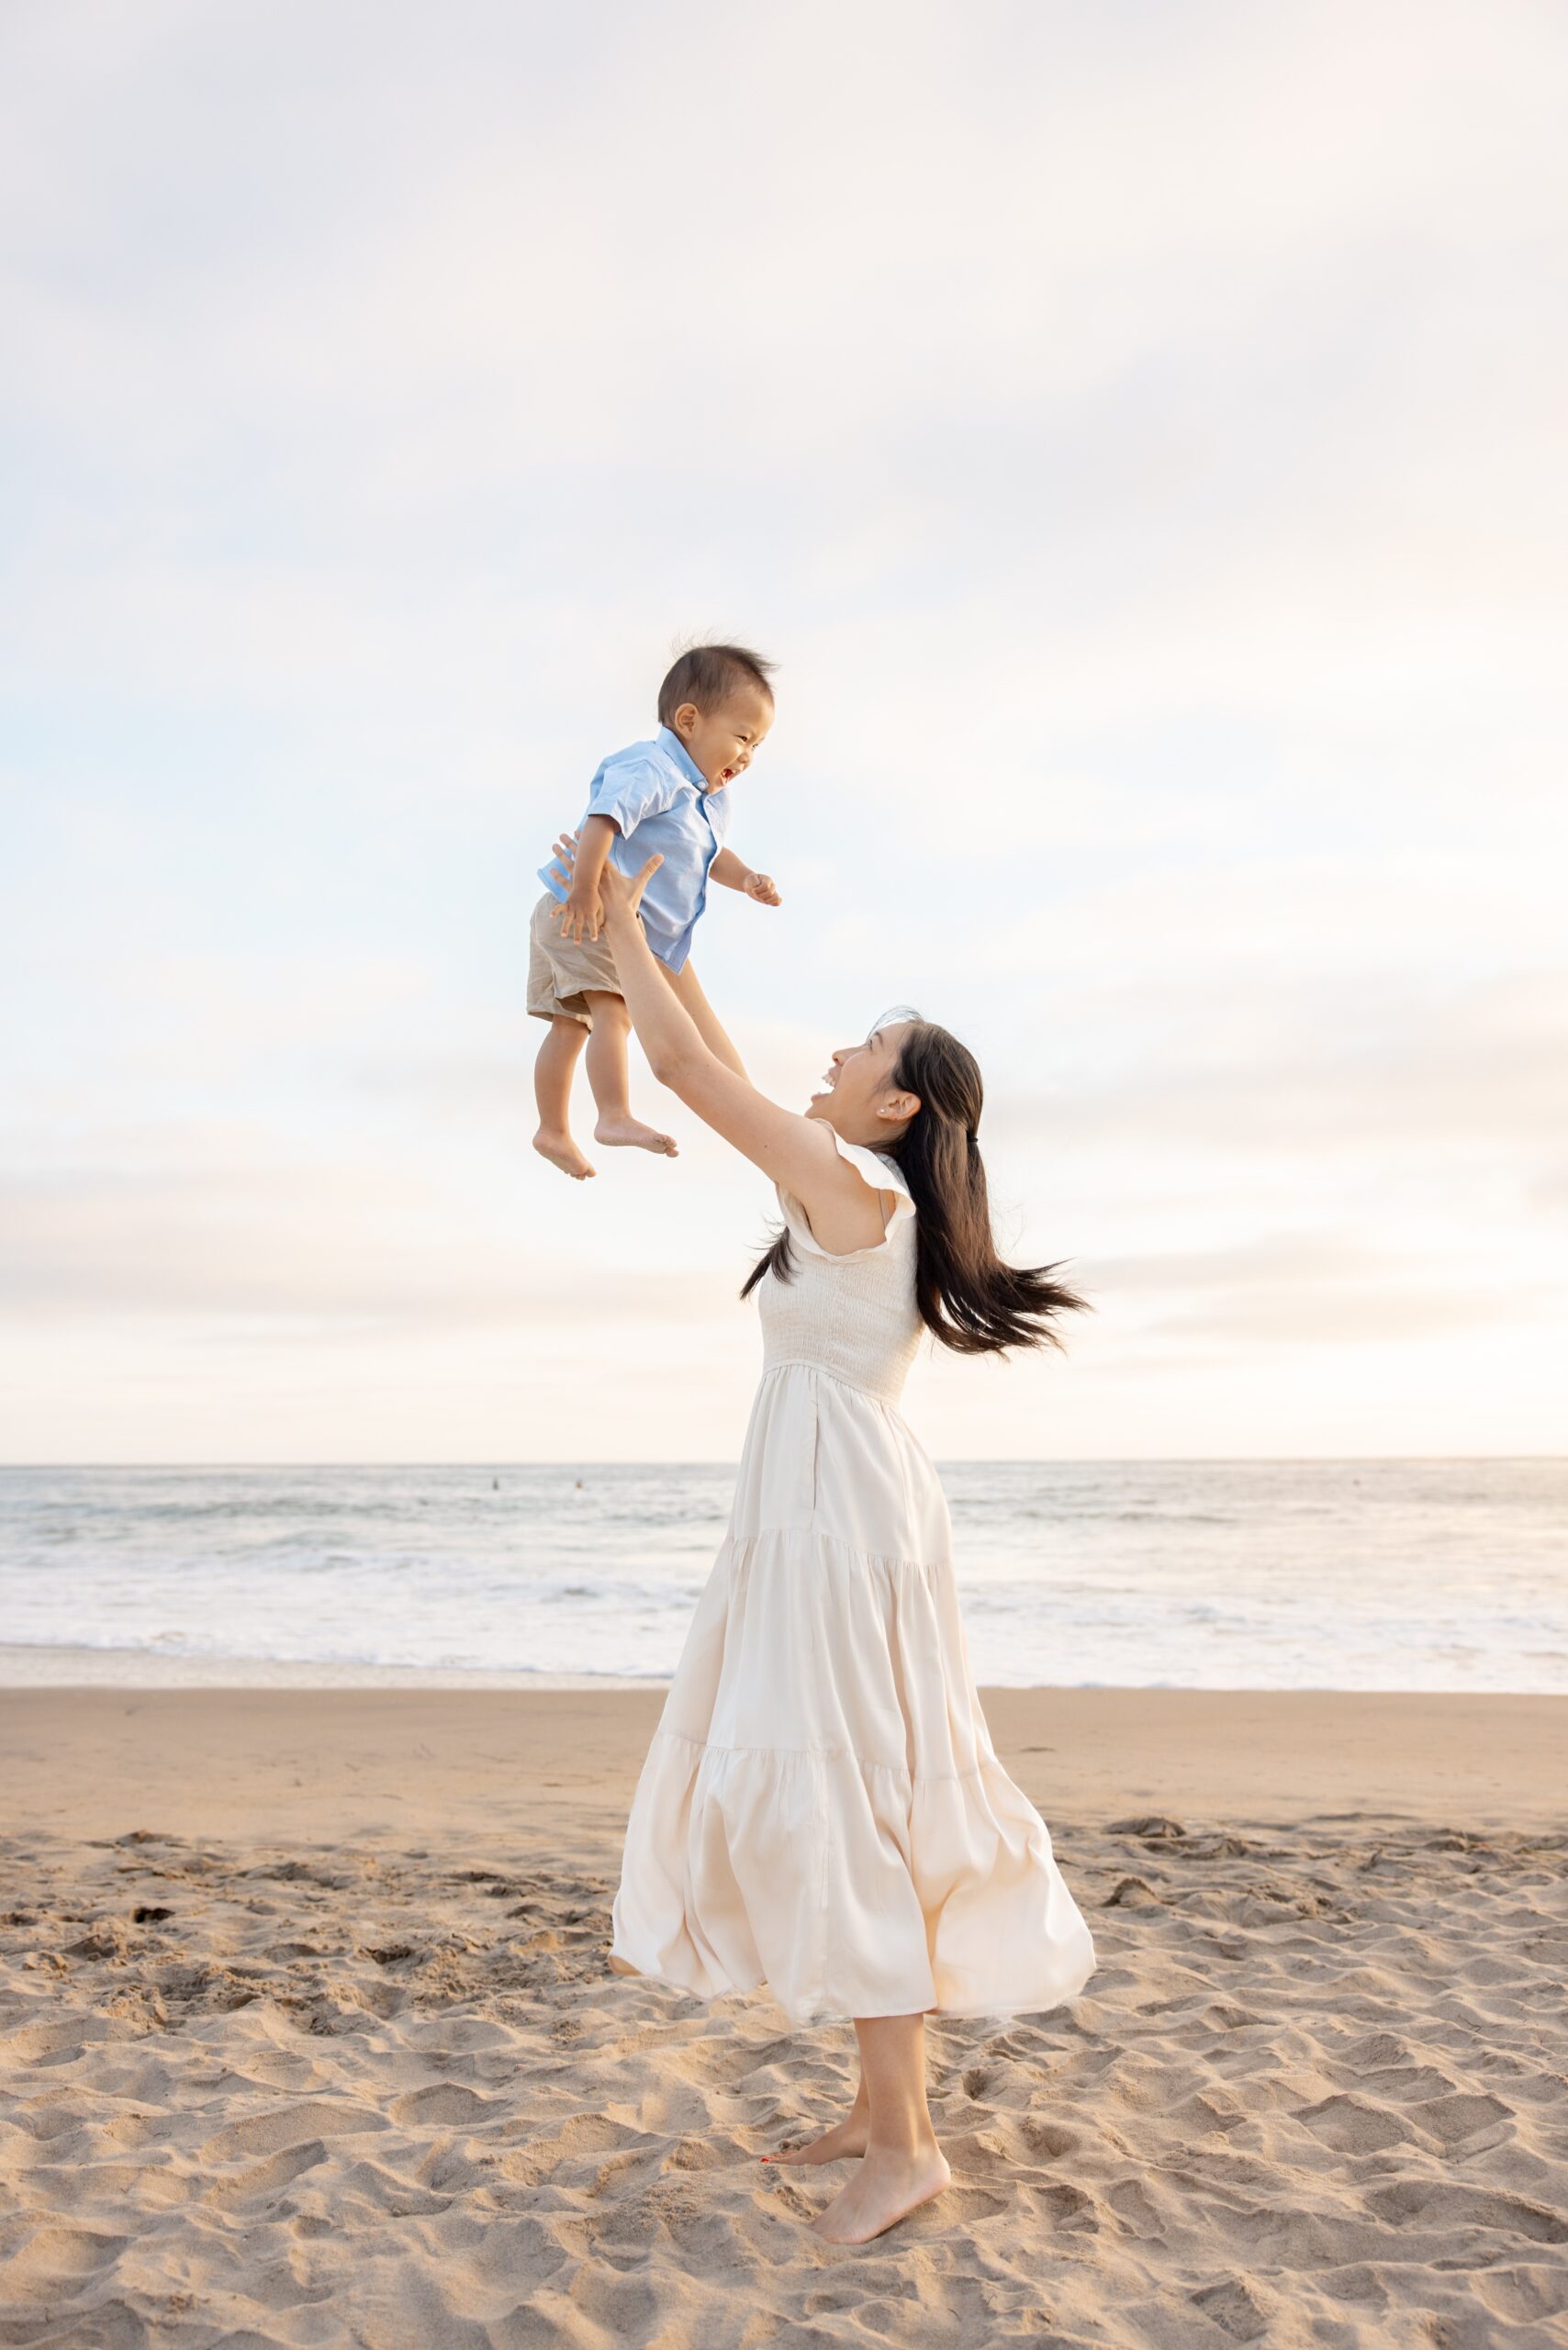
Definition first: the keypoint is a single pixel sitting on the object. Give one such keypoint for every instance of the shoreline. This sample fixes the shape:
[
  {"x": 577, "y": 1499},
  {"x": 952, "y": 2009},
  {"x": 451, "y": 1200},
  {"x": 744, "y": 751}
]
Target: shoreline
[
  {"x": 49, "y": 1665},
  {"x": 56, "y": 1665}
]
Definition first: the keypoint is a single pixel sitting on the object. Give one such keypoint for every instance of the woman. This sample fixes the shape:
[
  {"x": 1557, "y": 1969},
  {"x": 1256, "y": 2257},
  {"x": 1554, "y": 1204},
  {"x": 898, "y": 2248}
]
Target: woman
[{"x": 821, "y": 1808}]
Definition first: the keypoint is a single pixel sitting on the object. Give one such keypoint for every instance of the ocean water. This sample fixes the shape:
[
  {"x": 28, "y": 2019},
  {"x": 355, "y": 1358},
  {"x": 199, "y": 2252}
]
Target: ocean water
[{"x": 1432, "y": 1575}]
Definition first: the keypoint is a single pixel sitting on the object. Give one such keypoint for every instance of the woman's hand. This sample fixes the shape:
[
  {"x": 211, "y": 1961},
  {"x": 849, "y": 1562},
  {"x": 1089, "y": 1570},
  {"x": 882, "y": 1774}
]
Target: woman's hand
[
  {"x": 760, "y": 886},
  {"x": 622, "y": 898},
  {"x": 619, "y": 895}
]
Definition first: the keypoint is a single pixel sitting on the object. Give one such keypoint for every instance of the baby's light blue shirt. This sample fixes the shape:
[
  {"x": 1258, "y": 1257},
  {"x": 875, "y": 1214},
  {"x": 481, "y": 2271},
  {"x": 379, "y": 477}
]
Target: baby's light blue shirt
[{"x": 656, "y": 794}]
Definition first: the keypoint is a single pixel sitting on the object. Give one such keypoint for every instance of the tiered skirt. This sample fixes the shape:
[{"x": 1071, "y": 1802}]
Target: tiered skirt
[{"x": 821, "y": 1808}]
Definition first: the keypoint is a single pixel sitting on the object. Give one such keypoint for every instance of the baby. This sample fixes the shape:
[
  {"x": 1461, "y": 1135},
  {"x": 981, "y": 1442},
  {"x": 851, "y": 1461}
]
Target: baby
[{"x": 669, "y": 795}]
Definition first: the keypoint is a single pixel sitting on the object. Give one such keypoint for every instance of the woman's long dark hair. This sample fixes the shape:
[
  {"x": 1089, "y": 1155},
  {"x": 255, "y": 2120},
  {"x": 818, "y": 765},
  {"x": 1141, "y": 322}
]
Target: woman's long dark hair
[{"x": 969, "y": 1298}]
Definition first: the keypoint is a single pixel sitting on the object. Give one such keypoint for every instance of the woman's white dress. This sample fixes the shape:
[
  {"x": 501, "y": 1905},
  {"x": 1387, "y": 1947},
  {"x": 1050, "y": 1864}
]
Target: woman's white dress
[{"x": 821, "y": 1808}]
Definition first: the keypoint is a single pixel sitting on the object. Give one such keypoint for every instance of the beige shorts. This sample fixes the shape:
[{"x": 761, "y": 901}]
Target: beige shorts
[{"x": 562, "y": 970}]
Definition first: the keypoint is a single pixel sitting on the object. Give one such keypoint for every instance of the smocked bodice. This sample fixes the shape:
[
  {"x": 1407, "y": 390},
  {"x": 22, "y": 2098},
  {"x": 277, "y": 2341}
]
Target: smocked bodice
[{"x": 853, "y": 1316}]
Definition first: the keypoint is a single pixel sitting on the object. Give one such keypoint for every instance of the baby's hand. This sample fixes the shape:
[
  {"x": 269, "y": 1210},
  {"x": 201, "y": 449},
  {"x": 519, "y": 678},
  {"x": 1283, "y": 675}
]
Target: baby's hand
[
  {"x": 583, "y": 914},
  {"x": 760, "y": 887},
  {"x": 583, "y": 909}
]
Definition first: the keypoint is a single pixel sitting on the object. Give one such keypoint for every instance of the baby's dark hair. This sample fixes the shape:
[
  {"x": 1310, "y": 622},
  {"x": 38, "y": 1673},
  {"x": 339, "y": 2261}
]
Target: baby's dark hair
[{"x": 708, "y": 675}]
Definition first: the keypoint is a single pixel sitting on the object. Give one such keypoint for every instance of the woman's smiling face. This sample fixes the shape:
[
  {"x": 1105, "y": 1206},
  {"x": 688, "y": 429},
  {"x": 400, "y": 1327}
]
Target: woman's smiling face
[{"x": 858, "y": 1097}]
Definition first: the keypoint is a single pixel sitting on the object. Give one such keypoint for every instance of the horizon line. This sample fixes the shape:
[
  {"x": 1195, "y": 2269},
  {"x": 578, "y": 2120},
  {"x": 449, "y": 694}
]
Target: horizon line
[{"x": 957, "y": 1461}]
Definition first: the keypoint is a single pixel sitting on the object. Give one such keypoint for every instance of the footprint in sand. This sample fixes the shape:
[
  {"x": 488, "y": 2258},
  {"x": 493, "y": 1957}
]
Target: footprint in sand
[
  {"x": 447, "y": 2104},
  {"x": 1351, "y": 2127},
  {"x": 59, "y": 2259}
]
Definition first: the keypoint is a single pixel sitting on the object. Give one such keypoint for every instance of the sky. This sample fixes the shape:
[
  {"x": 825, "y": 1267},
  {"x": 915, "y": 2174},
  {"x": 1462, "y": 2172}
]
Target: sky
[{"x": 1137, "y": 435}]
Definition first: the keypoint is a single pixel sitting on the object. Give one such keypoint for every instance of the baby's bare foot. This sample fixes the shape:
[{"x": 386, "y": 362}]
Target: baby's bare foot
[
  {"x": 562, "y": 1152},
  {"x": 835, "y": 2146},
  {"x": 631, "y": 1135},
  {"x": 885, "y": 2190}
]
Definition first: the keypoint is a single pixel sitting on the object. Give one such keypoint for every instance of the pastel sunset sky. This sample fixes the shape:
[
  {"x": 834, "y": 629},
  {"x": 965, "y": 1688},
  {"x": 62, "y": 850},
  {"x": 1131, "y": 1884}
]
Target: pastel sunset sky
[{"x": 1136, "y": 433}]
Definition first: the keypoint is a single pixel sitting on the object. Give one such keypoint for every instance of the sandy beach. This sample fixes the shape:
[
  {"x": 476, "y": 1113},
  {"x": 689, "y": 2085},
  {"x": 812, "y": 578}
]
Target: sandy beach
[{"x": 307, "y": 2039}]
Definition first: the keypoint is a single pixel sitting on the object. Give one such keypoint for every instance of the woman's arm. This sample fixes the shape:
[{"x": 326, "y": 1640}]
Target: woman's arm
[
  {"x": 571, "y": 851},
  {"x": 710, "y": 1027},
  {"x": 795, "y": 1151}
]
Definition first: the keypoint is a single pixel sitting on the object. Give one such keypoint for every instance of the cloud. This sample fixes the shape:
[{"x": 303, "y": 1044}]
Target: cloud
[
  {"x": 1339, "y": 1071},
  {"x": 347, "y": 1246},
  {"x": 1312, "y": 1289}
]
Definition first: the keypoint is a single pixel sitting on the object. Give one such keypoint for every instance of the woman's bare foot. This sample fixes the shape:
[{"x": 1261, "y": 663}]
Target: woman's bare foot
[
  {"x": 845, "y": 2139},
  {"x": 886, "y": 2189},
  {"x": 618, "y": 1966},
  {"x": 562, "y": 1152},
  {"x": 631, "y": 1135}
]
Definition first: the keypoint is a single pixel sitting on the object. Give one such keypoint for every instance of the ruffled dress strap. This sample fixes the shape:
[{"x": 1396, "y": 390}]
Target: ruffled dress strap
[{"x": 881, "y": 1174}]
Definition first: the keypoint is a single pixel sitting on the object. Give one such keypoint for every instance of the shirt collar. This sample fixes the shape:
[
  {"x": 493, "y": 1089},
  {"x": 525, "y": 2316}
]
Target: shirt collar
[{"x": 671, "y": 743}]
